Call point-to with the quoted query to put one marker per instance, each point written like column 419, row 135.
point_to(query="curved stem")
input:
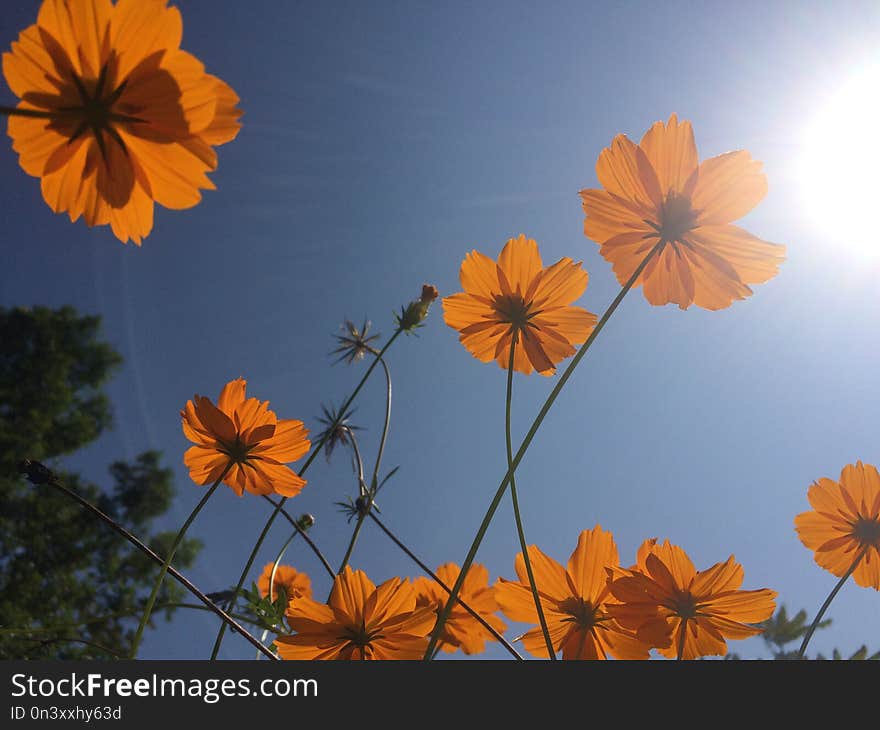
column 485, row 624
column 526, row 442
column 369, row 493
column 272, row 579
column 48, row 477
column 516, row 514
column 315, row 451
column 168, row 558
column 374, row 481
column 305, row 536
column 364, row 505
column 812, row 629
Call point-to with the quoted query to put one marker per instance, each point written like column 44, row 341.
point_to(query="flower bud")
column 414, row 313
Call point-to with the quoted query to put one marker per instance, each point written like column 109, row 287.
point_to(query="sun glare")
column 840, row 163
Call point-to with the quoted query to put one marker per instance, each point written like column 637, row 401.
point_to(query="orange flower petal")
column 672, row 152
column 754, row 261
column 624, row 171
column 667, row 279
column 587, row 565
column 727, row 187
column 479, row 275
column 521, row 263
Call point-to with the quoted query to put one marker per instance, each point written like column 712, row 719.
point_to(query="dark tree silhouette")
column 69, row 587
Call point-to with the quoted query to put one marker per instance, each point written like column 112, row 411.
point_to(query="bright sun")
column 840, row 164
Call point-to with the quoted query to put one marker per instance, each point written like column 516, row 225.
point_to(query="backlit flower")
column 575, row 602
column 288, row 579
column 518, row 298
column 244, row 431
column 461, row 629
column 656, row 192
column 845, row 521
column 113, row 115
column 665, row 600
column 360, row 621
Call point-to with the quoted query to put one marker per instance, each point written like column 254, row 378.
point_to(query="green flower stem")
column 682, row 636
column 364, row 504
column 536, row 424
column 305, row 536
column 168, row 558
column 146, row 550
column 272, row 578
column 812, row 629
column 516, row 513
column 110, row 616
column 11, row 111
column 374, row 481
column 486, row 625
column 70, row 639
column 369, row 494
column 315, row 451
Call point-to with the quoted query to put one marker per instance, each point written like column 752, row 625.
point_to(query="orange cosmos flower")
column 517, row 299
column 667, row 601
column 656, row 192
column 287, row 579
column 113, row 115
column 461, row 629
column 575, row 601
column 844, row 523
column 248, row 433
column 360, row 621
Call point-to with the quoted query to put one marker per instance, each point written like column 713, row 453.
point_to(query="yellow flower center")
column 676, row 217
column 867, row 531
column 514, row 310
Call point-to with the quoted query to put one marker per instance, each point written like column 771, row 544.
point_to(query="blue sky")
column 383, row 141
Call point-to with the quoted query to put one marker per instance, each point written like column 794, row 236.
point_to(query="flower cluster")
column 594, row 608
column 114, row 117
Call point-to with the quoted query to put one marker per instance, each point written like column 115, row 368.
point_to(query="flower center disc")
column 512, row 309
column 676, row 217
column 685, row 606
column 867, row 532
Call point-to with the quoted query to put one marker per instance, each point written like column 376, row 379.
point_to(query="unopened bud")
column 305, row 521
column 414, row 313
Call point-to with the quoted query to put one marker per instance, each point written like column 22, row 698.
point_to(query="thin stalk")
column 682, row 636
column 516, row 513
column 374, row 481
column 110, row 616
column 39, row 474
column 63, row 114
column 526, row 442
column 315, row 451
column 849, row 572
column 485, row 624
column 69, row 639
column 305, row 536
column 168, row 558
column 364, row 503
column 272, row 579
